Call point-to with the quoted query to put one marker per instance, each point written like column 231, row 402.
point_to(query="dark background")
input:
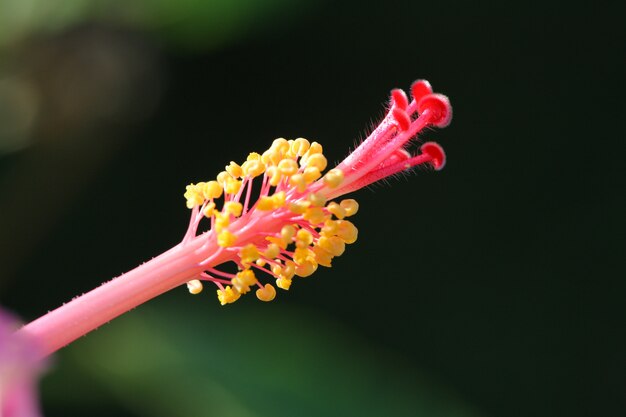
column 498, row 279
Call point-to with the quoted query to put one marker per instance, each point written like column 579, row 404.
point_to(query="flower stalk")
column 89, row 311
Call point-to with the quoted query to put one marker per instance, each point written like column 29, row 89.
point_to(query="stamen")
column 266, row 293
column 292, row 226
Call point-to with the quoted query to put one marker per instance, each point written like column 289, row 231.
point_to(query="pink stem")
column 80, row 316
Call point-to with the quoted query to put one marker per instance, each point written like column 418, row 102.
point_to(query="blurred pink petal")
column 20, row 368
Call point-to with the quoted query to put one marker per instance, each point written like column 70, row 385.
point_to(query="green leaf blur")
column 182, row 360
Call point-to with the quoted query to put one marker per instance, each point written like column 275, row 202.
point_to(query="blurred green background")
column 499, row 290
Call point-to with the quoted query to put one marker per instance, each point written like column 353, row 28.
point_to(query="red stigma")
column 436, row 154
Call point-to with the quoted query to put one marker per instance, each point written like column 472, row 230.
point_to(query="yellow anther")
column 283, row 283
column 307, row 268
column 222, row 220
column 194, row 286
column 226, row 239
column 221, row 178
column 322, row 256
column 193, row 195
column 267, row 293
column 333, row 178
column 311, row 174
column 233, row 207
column 232, row 186
column 315, row 215
column 315, row 148
column 287, row 233
column 317, row 199
column 253, row 156
column 276, row 269
column 302, row 255
column 209, row 209
column 253, row 167
column 273, row 202
column 278, row 241
column 297, row 180
column 248, row 276
column 211, row 190
column 290, row 155
column 329, row 228
column 249, row 254
column 272, row 251
column 289, row 269
column 303, row 238
column 336, row 209
column 234, row 169
column 260, row 262
column 288, row 167
column 228, row 295
column 265, row 203
column 347, row 231
column 276, row 152
column 272, row 156
column 318, row 161
column 266, row 157
column 281, row 145
column 299, row 207
column 239, row 286
column 333, row 245
column 243, row 280
column 274, row 175
column 350, row 206
column 300, row 146
column 279, row 199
